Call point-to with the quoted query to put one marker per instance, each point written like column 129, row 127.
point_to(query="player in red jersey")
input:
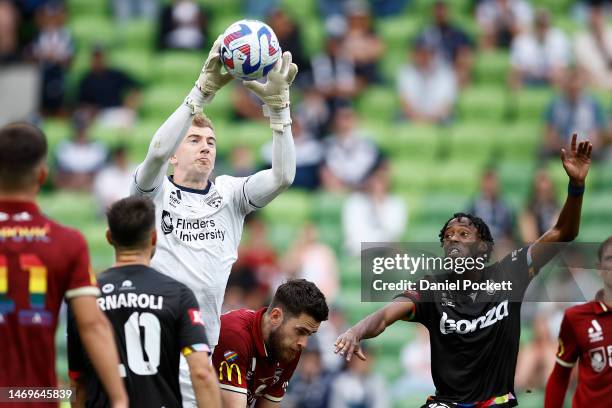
column 586, row 336
column 259, row 350
column 42, row 262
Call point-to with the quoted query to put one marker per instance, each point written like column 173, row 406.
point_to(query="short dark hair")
column 299, row 296
column 130, row 221
column 602, row 247
column 22, row 148
column 483, row 229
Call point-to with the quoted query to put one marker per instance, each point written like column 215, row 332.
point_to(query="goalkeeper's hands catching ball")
column 212, row 78
column 275, row 91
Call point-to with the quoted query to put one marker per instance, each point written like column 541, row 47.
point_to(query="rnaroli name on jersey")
column 130, row 300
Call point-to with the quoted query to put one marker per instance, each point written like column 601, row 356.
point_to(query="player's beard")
column 277, row 350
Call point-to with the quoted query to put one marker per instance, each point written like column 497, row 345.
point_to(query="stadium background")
column 435, row 170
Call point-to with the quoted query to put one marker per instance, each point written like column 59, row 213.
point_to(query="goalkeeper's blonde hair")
column 202, row 121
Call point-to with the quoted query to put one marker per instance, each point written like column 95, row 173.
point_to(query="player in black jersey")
column 155, row 318
column 475, row 334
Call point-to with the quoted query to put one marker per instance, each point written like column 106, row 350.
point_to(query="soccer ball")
column 249, row 49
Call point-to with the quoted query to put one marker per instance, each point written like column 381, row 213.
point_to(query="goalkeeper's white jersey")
column 198, row 233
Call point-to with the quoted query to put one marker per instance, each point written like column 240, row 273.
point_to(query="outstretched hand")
column 275, row 92
column 577, row 161
column 212, row 78
column 347, row 344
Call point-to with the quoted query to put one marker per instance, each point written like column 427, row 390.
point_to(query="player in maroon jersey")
column 259, row 350
column 42, row 262
column 586, row 337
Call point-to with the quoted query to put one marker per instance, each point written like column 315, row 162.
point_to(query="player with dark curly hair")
column 475, row 334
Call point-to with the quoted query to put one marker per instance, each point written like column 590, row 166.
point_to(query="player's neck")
column 196, row 183
column 266, row 327
column 124, row 258
column 20, row 196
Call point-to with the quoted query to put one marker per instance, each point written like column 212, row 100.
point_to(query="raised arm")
column 371, row 326
column 264, row 186
column 167, row 138
column 576, row 163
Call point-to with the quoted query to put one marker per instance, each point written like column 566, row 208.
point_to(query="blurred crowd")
column 335, row 153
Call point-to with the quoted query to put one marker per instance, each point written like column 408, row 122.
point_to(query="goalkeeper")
column 199, row 223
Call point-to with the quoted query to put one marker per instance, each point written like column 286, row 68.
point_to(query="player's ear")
column 153, row 237
column 482, row 247
column 109, row 238
column 43, row 172
column 173, row 160
column 276, row 316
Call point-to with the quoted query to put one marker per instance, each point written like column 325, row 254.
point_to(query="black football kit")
column 154, row 318
column 474, row 335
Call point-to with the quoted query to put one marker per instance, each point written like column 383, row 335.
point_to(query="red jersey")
column 586, row 335
column 242, row 362
column 40, row 263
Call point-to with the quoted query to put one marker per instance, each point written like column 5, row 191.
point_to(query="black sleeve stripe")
column 141, row 190
column 245, row 196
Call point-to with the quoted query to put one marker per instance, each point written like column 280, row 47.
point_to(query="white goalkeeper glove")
column 211, row 78
column 275, row 92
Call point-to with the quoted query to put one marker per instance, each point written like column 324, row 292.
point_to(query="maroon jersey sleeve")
column 277, row 391
column 81, row 280
column 231, row 358
column 567, row 352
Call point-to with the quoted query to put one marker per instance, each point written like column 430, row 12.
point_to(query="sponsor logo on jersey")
column 195, row 315
column 494, row 315
column 598, row 359
column 191, row 230
column 230, row 356
column 166, row 223
column 438, row 405
column 595, row 332
column 213, row 200
column 229, row 370
column 108, row 288
column 175, row 198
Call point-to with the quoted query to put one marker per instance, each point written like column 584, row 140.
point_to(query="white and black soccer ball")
column 249, row 49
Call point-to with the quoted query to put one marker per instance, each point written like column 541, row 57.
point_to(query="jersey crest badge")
column 598, row 359
column 214, row 200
